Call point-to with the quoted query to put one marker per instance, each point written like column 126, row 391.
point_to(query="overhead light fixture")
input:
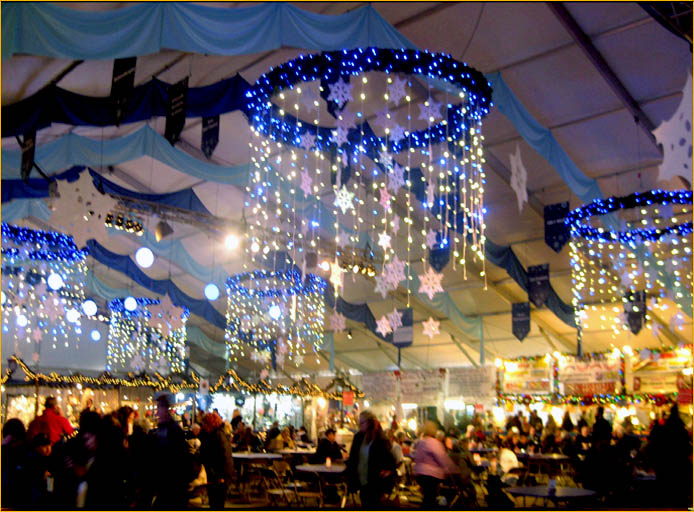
column 162, row 230
column 325, row 265
column 72, row 315
column 4, row 298
column 255, row 247
column 22, row 320
column 55, row 281
column 144, row 257
column 95, row 335
column 275, row 312
column 231, row 241
column 212, row 291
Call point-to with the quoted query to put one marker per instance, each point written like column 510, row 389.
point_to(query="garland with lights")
column 436, row 158
column 642, row 264
column 276, row 313
column 146, row 334
column 42, row 288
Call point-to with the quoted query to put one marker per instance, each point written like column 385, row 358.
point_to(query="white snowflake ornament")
column 338, row 322
column 395, row 319
column 340, row 93
column 344, row 199
column 519, row 178
column 431, row 328
column 347, row 120
column 306, row 183
column 383, row 326
column 397, row 133
column 385, row 199
column 396, row 178
column 396, row 90
column 308, row 140
column 431, row 239
column 430, row 283
column 384, row 240
column 676, row 137
column 430, row 110
column 340, row 136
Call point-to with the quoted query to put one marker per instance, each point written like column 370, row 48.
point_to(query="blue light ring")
column 635, row 200
column 308, row 68
column 312, row 284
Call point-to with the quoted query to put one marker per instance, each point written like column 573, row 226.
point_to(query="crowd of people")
column 118, row 460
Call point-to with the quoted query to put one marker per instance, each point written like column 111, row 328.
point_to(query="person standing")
column 53, row 423
column 431, row 465
column 214, row 452
column 371, row 465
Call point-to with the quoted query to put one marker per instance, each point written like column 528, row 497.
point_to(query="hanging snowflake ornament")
column 383, row 118
column 383, row 284
column 395, row 319
column 385, row 159
column 340, row 93
column 342, row 239
column 384, row 241
column 431, row 239
column 396, row 134
column 36, row 334
column 431, row 328
column 308, row 98
column 675, row 135
column 430, row 110
column 306, row 183
column 395, row 271
column 395, row 224
column 340, row 136
column 396, row 178
column 430, row 283
column 383, row 326
column 308, row 140
column 346, row 119
column 385, row 199
column 338, row 322
column 396, row 90
column 519, row 178
column 344, row 199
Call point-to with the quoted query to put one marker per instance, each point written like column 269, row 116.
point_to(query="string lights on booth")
column 42, row 288
column 338, row 167
column 619, row 272
column 147, row 334
column 274, row 315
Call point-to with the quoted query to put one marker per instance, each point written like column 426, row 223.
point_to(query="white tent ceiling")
column 547, row 71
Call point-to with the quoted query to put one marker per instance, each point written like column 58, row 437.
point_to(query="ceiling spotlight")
column 355, row 268
column 95, row 335
column 55, row 282
column 325, row 265
column 144, row 256
column 212, row 291
column 130, row 303
column 72, row 315
column 255, row 247
column 162, row 230
column 89, row 307
column 275, row 312
column 3, row 298
column 349, row 334
column 231, row 241
column 22, row 320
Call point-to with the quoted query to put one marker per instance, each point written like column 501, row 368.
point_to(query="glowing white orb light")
column 275, row 312
column 95, row 335
column 22, row 320
column 144, row 257
column 211, row 291
column 130, row 303
column 72, row 315
column 89, row 307
column 231, row 242
column 55, row 282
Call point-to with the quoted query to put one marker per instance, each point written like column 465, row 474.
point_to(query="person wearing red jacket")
column 52, row 423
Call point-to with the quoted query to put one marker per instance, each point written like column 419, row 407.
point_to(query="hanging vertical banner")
column 403, row 335
column 579, row 340
column 348, row 398
column 176, row 110
column 556, row 231
column 538, row 284
column 520, row 315
column 635, row 309
column 28, row 150
column 204, row 388
column 122, row 84
column 439, row 258
column 210, row 135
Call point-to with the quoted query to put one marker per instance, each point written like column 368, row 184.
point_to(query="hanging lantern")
column 274, row 314
column 641, row 261
column 351, row 147
column 150, row 337
column 43, row 276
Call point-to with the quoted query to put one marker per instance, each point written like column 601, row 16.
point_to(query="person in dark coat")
column 214, row 454
column 566, row 423
column 328, row 447
column 602, row 430
column 14, row 458
column 371, row 465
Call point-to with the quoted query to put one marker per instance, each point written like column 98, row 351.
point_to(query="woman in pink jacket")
column 431, row 465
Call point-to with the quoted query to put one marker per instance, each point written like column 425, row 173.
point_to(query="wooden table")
column 252, row 456
column 543, row 491
column 297, row 451
column 322, row 468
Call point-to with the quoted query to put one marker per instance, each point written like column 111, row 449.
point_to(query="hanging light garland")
column 274, row 314
column 379, row 135
column 645, row 261
column 42, row 288
column 146, row 335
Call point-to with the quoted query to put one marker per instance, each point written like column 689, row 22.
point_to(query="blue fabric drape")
column 125, row 265
column 38, row 188
column 21, row 209
column 142, row 29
